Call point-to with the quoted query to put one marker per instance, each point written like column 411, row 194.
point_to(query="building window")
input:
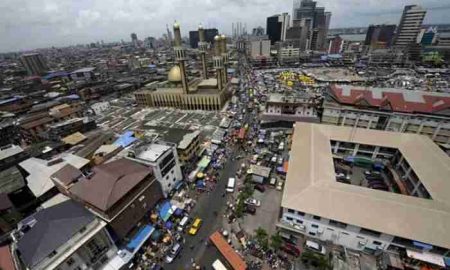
column 316, row 217
column 370, row 232
column 82, row 230
column 315, row 226
column 289, row 218
column 291, row 211
column 312, row 233
column 377, row 243
column 338, row 224
column 300, row 213
column 299, row 221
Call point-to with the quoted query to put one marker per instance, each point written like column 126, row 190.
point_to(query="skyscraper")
column 409, row 26
column 380, row 36
column 209, row 36
column 34, row 63
column 134, row 39
column 277, row 26
column 314, row 22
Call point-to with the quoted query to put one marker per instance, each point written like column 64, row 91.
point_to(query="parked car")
column 342, row 176
column 316, row 247
column 260, row 187
column 370, row 173
column 274, row 159
column 174, row 251
column 195, row 226
column 251, row 209
column 290, row 249
column 252, row 201
column 273, row 181
column 280, row 161
column 280, row 185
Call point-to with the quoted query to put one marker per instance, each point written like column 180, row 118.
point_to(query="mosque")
column 196, row 94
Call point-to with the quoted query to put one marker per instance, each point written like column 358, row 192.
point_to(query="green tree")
column 261, row 237
column 276, row 241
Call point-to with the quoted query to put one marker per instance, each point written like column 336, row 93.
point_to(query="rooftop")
column 54, row 226
column 151, row 152
column 85, row 69
column 311, row 184
column 9, row 151
column 392, row 99
column 110, row 182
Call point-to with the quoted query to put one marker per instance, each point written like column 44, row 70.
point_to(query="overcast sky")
column 29, row 24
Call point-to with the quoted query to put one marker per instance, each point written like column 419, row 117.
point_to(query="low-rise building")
column 400, row 110
column 316, row 205
column 291, row 108
column 65, row 237
column 163, row 160
column 120, row 192
column 100, row 107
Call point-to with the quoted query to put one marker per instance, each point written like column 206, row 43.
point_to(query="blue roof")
column 12, row 99
column 137, row 241
column 125, row 139
column 55, row 75
column 165, row 210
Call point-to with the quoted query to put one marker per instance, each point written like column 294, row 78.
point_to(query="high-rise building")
column 427, row 37
column 380, row 36
column 409, row 26
column 315, row 23
column 335, row 45
column 34, row 63
column 277, row 26
column 258, row 31
column 134, row 39
column 209, row 36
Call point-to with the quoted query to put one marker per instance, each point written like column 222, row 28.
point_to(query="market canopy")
column 204, row 162
column 138, row 240
column 165, row 211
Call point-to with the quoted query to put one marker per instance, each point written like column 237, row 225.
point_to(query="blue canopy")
column 125, row 139
column 200, row 184
column 139, row 239
column 422, row 245
column 178, row 212
column 168, row 225
column 165, row 210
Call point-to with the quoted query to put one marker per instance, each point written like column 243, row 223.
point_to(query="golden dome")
column 174, row 74
column 222, row 36
column 216, row 38
column 200, row 26
column 176, row 25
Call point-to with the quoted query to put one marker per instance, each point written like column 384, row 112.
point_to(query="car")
column 370, row 173
column 274, row 159
column 260, row 188
column 290, row 249
column 195, row 226
column 252, row 201
column 280, row 161
column 174, row 251
column 316, row 247
column 273, row 181
column 279, row 185
column 342, row 176
column 251, row 209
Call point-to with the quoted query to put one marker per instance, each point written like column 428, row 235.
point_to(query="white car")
column 316, row 247
column 279, row 185
column 252, row 201
column 173, row 253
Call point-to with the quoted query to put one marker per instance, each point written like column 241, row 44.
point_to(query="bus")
column 218, row 265
column 231, row 184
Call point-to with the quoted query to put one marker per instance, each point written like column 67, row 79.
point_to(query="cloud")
column 27, row 24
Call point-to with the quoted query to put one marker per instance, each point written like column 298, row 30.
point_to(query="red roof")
column 236, row 262
column 392, row 100
column 241, row 134
column 6, row 260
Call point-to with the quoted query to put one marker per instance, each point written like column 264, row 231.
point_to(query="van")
column 231, row 184
column 183, row 223
column 316, row 247
column 173, row 253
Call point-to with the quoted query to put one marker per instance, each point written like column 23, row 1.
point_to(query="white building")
column 83, row 74
column 259, row 48
column 100, row 107
column 288, row 53
column 315, row 204
column 300, row 107
column 163, row 158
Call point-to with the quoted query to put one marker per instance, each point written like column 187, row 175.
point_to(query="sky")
column 30, row 24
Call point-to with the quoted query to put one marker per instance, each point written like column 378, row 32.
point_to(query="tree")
column 276, row 241
column 262, row 238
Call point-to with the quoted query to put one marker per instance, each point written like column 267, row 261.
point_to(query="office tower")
column 277, row 26
column 34, row 63
column 134, row 39
column 336, row 44
column 315, row 23
column 380, row 36
column 409, row 26
column 427, row 37
column 169, row 35
column 224, row 53
column 258, row 31
column 209, row 37
column 180, row 56
column 202, row 46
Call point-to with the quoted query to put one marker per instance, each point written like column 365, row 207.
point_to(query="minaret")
column 180, row 56
column 223, row 52
column 202, row 47
column 218, row 62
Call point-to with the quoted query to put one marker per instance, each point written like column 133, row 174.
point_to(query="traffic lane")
column 207, row 205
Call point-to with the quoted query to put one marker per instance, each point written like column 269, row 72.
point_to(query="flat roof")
column 152, row 152
column 311, row 186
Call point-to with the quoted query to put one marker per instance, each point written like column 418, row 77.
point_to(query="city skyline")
column 63, row 23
